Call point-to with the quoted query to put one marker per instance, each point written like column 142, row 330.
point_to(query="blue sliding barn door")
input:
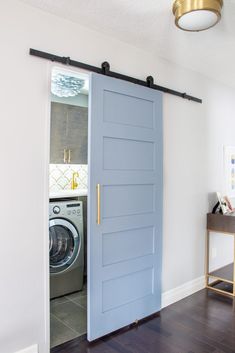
column 124, row 204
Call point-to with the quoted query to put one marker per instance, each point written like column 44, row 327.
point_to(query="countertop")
column 68, row 193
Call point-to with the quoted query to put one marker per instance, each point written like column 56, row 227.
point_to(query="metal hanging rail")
column 105, row 70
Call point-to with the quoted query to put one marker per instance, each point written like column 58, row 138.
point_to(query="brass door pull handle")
column 65, row 155
column 98, row 203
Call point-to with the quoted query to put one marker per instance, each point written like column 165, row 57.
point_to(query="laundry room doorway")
column 68, row 188
column 105, row 210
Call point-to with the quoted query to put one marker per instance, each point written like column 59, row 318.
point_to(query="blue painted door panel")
column 125, row 158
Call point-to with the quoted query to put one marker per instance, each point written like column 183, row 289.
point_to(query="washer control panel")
column 67, row 208
column 73, row 212
column 73, row 209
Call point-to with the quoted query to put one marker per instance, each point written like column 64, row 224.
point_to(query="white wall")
column 193, row 139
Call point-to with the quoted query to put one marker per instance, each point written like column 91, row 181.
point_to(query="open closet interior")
column 68, row 184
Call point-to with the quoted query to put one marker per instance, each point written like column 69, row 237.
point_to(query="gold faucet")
column 74, row 180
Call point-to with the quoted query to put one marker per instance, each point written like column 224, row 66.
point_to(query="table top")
column 221, row 223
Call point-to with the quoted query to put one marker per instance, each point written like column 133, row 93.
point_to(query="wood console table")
column 224, row 224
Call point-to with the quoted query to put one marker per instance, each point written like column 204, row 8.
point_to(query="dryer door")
column 64, row 245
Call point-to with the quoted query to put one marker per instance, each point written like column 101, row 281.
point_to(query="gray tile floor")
column 68, row 317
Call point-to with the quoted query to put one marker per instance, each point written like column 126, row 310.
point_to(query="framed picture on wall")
column 229, row 170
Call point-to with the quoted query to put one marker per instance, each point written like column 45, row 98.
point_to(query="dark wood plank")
column 221, row 223
column 201, row 323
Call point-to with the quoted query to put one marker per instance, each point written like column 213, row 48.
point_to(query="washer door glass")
column 63, row 244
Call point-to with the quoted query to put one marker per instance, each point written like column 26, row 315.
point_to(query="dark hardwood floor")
column 201, row 323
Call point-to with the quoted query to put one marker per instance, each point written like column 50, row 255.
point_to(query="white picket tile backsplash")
column 61, row 176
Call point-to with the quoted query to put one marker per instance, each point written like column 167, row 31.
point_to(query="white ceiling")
column 149, row 25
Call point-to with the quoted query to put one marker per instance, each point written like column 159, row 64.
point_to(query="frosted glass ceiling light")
column 66, row 86
column 197, row 15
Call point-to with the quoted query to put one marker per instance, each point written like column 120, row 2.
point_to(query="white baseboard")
column 183, row 291
column 31, row 349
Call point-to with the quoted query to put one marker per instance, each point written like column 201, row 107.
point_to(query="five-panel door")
column 124, row 204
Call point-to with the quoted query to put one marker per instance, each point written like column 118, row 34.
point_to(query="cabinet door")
column 77, row 134
column 59, row 126
column 69, row 125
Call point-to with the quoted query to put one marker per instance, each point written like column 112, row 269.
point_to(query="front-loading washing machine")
column 66, row 247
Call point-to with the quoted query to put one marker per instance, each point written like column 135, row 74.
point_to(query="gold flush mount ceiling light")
column 197, row 15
